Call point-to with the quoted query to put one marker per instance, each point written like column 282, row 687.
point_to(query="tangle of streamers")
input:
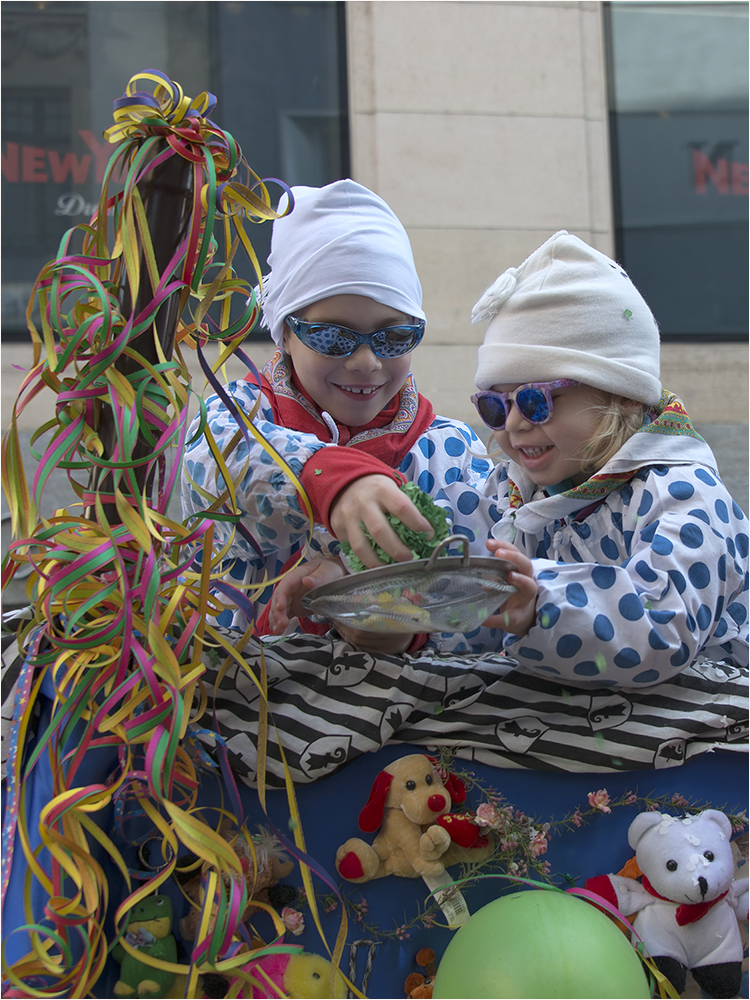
column 117, row 598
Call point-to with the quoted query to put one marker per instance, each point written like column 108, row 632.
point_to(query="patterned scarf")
column 668, row 417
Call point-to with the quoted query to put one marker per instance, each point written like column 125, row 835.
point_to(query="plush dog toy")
column 410, row 802
column 687, row 905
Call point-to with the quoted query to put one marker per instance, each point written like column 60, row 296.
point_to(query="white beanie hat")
column 341, row 239
column 569, row 312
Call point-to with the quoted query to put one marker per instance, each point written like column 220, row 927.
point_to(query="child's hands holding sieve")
column 365, row 504
column 286, row 605
column 519, row 611
column 289, row 591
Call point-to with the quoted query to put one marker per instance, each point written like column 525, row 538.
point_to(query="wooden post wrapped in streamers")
column 165, row 191
column 117, row 619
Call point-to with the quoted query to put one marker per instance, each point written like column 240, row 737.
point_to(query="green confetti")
column 318, row 472
column 421, row 546
column 437, row 710
column 628, row 314
column 601, row 662
column 293, row 823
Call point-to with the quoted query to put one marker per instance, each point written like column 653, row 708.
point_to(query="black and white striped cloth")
column 330, row 702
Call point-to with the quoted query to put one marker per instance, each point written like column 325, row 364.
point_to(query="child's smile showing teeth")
column 364, row 391
column 534, row 457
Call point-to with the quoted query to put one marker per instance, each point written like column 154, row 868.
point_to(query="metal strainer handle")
column 450, row 540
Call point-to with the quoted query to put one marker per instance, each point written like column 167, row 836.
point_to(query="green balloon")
column 540, row 943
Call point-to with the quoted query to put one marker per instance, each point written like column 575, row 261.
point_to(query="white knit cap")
column 569, row 312
column 341, row 239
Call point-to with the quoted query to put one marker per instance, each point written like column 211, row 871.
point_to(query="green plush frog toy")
column 149, row 930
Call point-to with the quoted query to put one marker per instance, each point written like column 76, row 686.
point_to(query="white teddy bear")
column 687, row 905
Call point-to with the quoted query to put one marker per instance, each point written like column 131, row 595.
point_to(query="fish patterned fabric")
column 331, row 702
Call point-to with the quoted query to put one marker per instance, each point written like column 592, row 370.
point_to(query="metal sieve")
column 440, row 594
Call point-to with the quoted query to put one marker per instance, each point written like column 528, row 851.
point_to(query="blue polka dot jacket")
column 636, row 586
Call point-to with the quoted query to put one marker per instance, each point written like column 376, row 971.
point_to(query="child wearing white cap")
column 337, row 401
column 631, row 555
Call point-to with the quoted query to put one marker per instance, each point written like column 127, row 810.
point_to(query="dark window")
column 278, row 71
column 678, row 75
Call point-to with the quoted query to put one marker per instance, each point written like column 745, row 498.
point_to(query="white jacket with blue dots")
column 651, row 579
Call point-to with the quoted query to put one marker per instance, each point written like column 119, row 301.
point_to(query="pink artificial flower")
column 538, row 843
column 487, row 815
column 293, row 920
column 598, row 800
column 577, row 818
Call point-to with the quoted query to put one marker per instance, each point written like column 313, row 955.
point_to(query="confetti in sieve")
column 439, row 594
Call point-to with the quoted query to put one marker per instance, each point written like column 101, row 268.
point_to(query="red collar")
column 686, row 913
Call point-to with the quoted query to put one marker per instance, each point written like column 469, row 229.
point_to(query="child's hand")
column 518, row 613
column 286, row 602
column 365, row 502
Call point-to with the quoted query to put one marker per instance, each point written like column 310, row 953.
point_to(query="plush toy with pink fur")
column 687, row 905
column 301, row 975
column 411, row 801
